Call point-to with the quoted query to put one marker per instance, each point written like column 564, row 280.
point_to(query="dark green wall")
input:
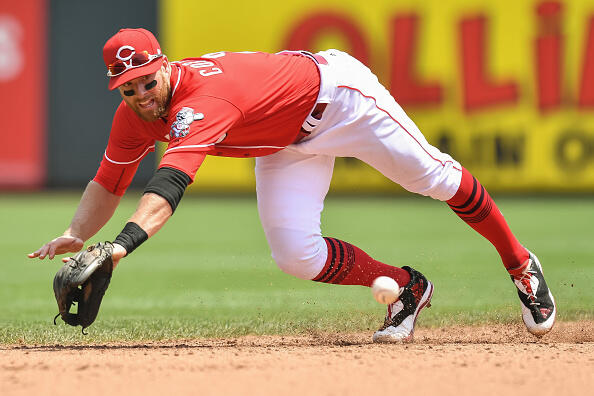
column 80, row 108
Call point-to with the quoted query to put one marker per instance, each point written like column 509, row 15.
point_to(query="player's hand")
column 60, row 245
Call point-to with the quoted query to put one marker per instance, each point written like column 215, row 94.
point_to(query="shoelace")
column 524, row 278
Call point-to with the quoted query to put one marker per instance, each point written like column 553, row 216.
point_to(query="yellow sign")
column 506, row 87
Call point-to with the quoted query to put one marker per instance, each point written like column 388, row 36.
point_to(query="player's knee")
column 297, row 253
column 441, row 184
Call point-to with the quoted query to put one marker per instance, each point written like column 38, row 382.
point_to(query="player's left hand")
column 57, row 246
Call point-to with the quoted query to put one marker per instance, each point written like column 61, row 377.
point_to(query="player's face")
column 148, row 95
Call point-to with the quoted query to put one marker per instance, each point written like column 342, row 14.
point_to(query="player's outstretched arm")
column 160, row 199
column 96, row 207
column 151, row 215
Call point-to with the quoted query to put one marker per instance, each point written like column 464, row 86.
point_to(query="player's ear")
column 166, row 66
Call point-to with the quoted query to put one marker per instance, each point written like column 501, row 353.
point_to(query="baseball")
column 385, row 290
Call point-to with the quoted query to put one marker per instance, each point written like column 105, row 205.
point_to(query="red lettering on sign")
column 549, row 55
column 586, row 96
column 405, row 84
column 479, row 89
column 305, row 34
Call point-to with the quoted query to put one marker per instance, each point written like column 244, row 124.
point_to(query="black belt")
column 315, row 57
column 318, row 58
column 317, row 113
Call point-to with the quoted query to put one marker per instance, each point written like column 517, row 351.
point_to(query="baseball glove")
column 84, row 280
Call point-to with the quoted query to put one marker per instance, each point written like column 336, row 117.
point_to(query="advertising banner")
column 506, row 87
column 22, row 93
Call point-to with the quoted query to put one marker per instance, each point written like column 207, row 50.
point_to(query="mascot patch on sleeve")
column 181, row 126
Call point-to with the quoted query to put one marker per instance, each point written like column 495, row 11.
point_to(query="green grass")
column 208, row 273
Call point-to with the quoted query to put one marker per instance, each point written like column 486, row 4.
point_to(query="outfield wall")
column 506, row 87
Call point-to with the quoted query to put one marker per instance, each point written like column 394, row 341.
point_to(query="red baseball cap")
column 125, row 44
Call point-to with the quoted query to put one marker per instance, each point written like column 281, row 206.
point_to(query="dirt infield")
column 487, row 360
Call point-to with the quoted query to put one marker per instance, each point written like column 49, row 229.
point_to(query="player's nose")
column 140, row 90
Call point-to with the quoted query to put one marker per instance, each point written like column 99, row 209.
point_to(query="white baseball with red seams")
column 385, row 290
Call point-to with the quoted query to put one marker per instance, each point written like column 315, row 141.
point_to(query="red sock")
column 473, row 204
column 348, row 265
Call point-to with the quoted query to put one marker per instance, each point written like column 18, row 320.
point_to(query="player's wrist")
column 68, row 234
column 73, row 234
column 119, row 251
column 130, row 238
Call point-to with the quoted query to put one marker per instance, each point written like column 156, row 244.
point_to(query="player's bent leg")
column 297, row 252
column 291, row 187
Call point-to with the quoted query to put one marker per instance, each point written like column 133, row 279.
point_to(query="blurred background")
column 506, row 87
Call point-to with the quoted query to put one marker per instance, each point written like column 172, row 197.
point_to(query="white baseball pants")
column 361, row 120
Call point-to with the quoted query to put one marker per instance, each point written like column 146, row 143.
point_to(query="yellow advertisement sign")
column 506, row 87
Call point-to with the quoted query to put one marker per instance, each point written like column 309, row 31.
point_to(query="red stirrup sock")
column 348, row 265
column 473, row 204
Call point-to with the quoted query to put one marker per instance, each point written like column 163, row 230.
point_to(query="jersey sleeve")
column 125, row 149
column 195, row 129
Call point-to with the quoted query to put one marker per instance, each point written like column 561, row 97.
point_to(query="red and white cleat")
column 538, row 304
column 399, row 325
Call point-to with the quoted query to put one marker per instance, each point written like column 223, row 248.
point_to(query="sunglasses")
column 136, row 60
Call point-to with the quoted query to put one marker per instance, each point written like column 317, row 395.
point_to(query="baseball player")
column 295, row 111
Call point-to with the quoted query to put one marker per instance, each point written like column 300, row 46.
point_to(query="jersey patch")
column 183, row 119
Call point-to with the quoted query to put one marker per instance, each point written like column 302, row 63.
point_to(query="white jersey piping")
column 178, row 79
column 129, row 162
column 222, row 147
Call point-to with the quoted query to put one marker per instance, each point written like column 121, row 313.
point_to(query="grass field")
column 208, row 273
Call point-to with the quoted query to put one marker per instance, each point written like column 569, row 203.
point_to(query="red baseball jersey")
column 232, row 104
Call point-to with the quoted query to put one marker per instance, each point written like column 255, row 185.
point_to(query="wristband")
column 131, row 237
